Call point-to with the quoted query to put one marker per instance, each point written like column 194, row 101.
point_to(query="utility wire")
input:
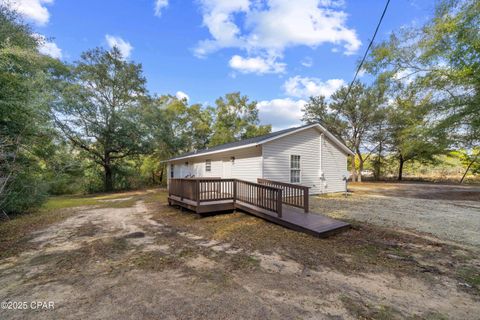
column 366, row 52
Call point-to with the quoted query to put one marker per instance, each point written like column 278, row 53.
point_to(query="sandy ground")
column 150, row 261
column 449, row 212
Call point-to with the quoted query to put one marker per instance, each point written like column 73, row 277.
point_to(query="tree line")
column 92, row 125
column 424, row 100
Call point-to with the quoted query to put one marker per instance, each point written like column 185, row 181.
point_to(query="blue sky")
column 278, row 52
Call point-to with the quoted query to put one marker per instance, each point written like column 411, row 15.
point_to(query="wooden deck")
column 264, row 201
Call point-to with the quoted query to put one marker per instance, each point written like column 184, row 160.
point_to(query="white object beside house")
column 308, row 155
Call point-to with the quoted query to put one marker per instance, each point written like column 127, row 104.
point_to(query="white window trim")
column 208, row 161
column 299, row 170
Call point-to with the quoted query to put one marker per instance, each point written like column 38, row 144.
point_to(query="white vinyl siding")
column 247, row 164
column 276, row 158
column 322, row 164
column 334, row 167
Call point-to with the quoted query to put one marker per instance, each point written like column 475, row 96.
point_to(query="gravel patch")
column 451, row 220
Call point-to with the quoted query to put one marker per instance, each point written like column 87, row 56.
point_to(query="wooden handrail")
column 293, row 194
column 262, row 196
column 203, row 190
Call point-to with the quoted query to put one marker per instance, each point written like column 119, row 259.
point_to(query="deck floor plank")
column 294, row 218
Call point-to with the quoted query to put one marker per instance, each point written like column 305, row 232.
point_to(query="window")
column 171, row 170
column 208, row 165
column 295, row 168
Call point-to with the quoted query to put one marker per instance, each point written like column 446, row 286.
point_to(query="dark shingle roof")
column 240, row 143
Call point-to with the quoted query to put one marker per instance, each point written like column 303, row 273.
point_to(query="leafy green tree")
column 411, row 137
column 470, row 160
column 443, row 58
column 100, row 111
column 28, row 82
column 175, row 127
column 351, row 119
column 236, row 118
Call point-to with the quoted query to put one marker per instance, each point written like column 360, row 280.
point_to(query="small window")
column 208, row 165
column 171, row 171
column 295, row 168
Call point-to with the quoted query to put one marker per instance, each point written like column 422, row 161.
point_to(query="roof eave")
column 317, row 125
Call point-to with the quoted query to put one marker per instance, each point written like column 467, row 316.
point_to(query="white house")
column 308, row 155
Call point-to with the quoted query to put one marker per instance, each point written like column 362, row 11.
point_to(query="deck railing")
column 265, row 197
column 215, row 189
column 293, row 194
column 204, row 190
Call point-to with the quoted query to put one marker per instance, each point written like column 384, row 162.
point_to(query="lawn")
column 131, row 255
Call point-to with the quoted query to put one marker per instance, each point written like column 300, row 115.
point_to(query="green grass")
column 63, row 202
column 471, row 276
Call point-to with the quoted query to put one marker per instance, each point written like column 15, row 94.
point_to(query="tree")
column 28, row 81
column 443, row 58
column 236, row 118
column 411, row 137
column 351, row 119
column 470, row 160
column 100, row 112
column 175, row 127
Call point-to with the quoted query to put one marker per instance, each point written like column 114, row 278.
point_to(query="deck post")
column 305, row 200
column 181, row 189
column 234, row 192
column 197, row 192
column 279, row 202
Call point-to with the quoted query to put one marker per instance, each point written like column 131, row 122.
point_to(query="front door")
column 227, row 168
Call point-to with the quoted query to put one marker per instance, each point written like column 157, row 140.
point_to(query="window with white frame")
column 295, row 168
column 208, row 165
column 171, row 171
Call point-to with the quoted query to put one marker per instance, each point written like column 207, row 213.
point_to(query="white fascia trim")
column 334, row 139
column 322, row 129
column 215, row 151
column 315, row 125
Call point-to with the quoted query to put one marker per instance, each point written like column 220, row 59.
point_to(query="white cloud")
column 304, row 87
column 48, row 48
column 281, row 113
column 159, row 5
column 257, row 65
column 33, row 10
column 182, row 95
column 271, row 26
column 122, row 45
column 307, row 62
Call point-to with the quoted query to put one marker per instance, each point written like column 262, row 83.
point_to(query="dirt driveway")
column 137, row 258
column 448, row 212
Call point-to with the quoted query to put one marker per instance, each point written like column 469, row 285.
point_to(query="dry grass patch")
column 364, row 248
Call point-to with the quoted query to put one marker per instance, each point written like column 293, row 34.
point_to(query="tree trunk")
column 468, row 168
column 354, row 172
column 161, row 175
column 378, row 163
column 360, row 169
column 108, row 179
column 400, row 168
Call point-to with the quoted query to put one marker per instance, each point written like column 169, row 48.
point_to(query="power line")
column 366, row 52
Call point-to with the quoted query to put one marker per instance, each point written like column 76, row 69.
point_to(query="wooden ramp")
column 280, row 203
column 315, row 224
